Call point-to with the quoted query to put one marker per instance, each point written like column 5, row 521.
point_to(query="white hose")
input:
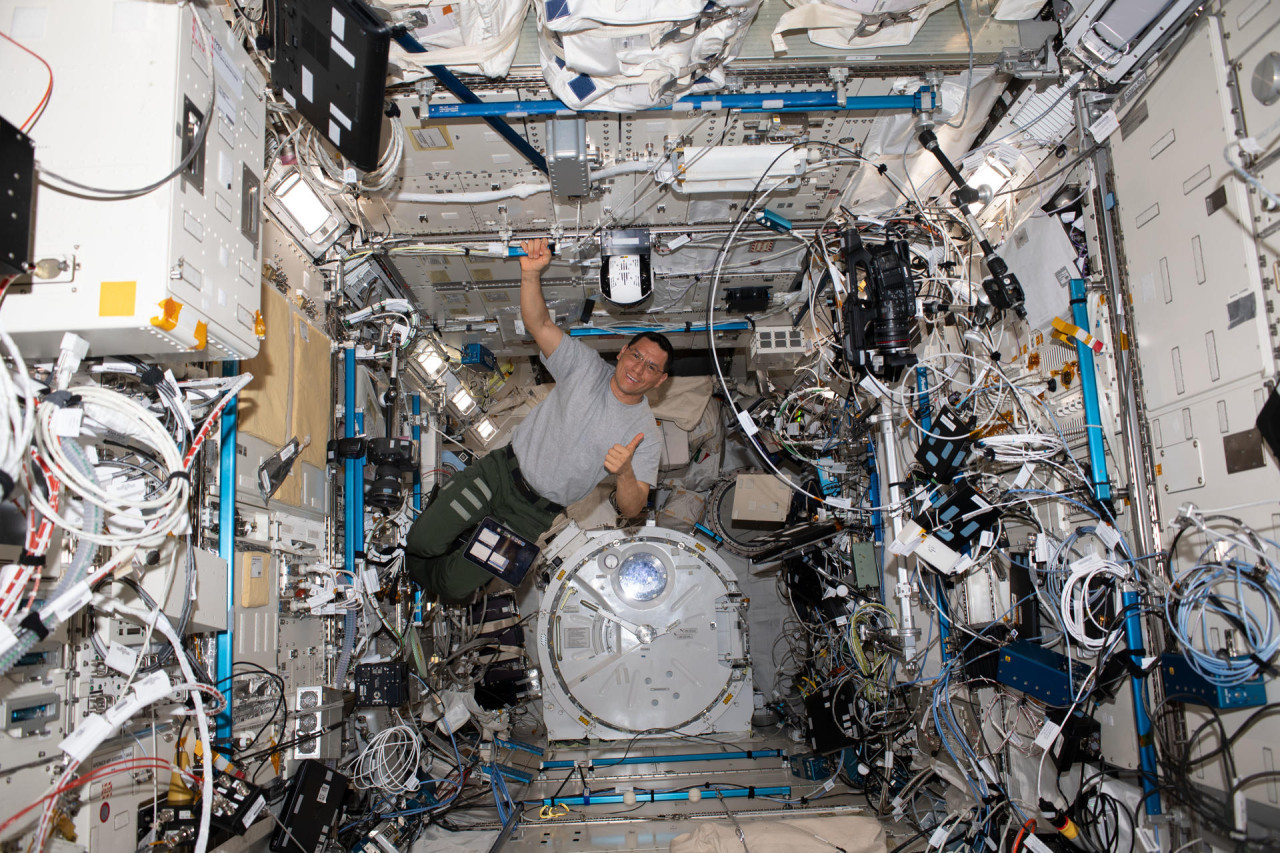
column 627, row 167
column 517, row 191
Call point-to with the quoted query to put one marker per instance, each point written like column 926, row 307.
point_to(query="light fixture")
column 302, row 203
column 429, row 359
column 485, row 430
column 989, row 172
column 314, row 220
column 462, row 400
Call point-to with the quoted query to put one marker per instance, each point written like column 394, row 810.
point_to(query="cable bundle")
column 18, row 421
column 1089, row 586
column 1028, row 447
column 134, row 519
column 1236, row 596
column 1232, row 595
column 389, row 762
column 333, row 177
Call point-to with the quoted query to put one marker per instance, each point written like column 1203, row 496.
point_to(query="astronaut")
column 595, row 422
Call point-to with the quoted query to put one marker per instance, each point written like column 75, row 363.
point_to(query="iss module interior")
column 662, row 425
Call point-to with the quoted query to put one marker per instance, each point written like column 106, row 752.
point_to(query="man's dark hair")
column 663, row 344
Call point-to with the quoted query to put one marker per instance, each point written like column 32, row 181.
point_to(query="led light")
column 485, row 430
column 990, row 173
column 429, row 361
column 432, row 363
column 462, row 400
column 302, row 203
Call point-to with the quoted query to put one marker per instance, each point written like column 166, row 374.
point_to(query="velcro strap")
column 33, row 623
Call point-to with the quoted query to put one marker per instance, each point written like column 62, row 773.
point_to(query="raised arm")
column 533, row 305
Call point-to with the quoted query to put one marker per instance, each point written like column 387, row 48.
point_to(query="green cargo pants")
column 435, row 559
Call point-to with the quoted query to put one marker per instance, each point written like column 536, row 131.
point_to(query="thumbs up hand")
column 618, row 459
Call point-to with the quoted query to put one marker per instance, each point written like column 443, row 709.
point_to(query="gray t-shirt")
column 561, row 445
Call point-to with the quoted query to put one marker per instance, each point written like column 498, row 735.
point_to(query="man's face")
column 642, row 366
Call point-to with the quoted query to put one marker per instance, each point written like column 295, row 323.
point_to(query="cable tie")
column 688, row 326
column 152, row 376
column 177, row 475
column 881, row 168
column 63, row 399
column 29, row 559
column 751, row 792
column 33, row 623
column 1263, row 665
column 6, row 485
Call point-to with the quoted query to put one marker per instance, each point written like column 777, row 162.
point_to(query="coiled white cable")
column 132, row 520
column 1024, row 447
column 1078, row 602
column 390, row 761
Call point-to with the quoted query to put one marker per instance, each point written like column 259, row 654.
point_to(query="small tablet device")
column 501, row 551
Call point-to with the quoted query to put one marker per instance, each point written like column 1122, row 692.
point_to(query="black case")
column 311, row 808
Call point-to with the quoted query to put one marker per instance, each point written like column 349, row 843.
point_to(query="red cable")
column 48, row 89
column 105, row 770
column 1017, row 842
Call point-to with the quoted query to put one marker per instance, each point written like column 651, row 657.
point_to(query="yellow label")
column 561, row 575
column 117, row 298
column 700, row 546
column 586, row 724
column 728, row 699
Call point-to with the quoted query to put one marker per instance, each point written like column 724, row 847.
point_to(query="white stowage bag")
column 632, row 56
column 853, row 24
column 1017, row 10
column 465, row 36
column 567, row 16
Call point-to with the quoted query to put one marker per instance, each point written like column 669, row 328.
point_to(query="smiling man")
column 596, row 422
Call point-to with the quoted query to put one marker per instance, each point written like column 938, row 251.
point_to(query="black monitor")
column 331, row 63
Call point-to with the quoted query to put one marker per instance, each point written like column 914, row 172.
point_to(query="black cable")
column 279, row 710
column 904, row 845
column 1071, row 164
column 576, row 769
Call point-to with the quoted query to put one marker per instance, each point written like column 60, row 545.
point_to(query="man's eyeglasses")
column 649, row 367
